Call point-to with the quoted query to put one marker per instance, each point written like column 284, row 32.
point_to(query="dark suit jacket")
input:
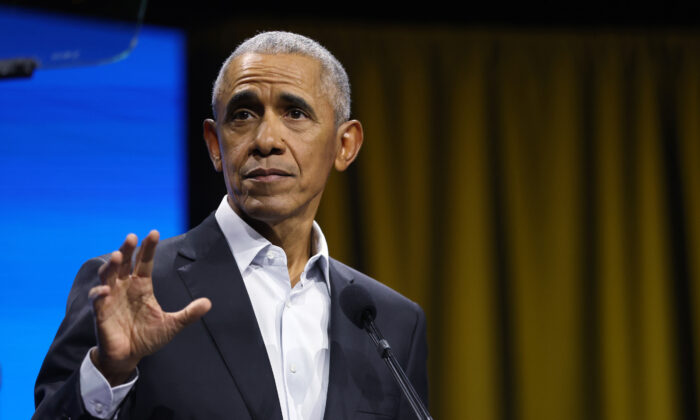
column 218, row 368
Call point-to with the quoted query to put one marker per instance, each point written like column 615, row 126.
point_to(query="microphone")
column 359, row 307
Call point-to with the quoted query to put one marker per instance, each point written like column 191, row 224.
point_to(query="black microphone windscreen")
column 357, row 304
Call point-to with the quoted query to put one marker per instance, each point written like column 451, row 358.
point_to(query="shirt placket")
column 289, row 342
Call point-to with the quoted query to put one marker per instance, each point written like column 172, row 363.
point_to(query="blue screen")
column 87, row 155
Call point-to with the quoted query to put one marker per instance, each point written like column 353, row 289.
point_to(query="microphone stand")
column 385, row 352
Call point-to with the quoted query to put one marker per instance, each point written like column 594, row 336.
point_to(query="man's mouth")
column 266, row 175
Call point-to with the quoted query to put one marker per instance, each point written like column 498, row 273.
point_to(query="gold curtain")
column 538, row 193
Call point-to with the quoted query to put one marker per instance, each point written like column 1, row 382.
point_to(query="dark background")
column 196, row 14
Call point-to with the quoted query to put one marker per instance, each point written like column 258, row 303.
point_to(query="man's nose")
column 268, row 139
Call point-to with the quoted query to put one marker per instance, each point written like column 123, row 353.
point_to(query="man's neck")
column 293, row 235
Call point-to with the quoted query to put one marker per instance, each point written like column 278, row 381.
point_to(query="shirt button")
column 288, row 304
column 270, row 255
column 98, row 408
column 293, row 368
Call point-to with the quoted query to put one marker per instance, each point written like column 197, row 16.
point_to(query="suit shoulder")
column 383, row 294
column 171, row 244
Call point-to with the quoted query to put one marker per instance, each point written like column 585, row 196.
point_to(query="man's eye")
column 242, row 115
column 297, row 114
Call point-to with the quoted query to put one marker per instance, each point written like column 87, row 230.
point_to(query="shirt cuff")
column 99, row 398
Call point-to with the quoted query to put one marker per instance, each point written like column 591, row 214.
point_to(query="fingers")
column 192, row 312
column 144, row 259
column 127, row 250
column 109, row 270
column 98, row 292
column 96, row 296
column 119, row 264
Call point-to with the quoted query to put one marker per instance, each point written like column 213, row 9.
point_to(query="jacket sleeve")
column 57, row 388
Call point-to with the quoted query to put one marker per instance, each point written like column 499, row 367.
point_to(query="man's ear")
column 351, row 136
column 211, row 137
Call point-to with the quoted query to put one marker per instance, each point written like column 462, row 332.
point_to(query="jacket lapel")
column 349, row 349
column 209, row 270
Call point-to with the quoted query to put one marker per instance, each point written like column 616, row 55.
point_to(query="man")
column 261, row 335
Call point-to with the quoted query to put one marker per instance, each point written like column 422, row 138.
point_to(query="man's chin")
column 268, row 210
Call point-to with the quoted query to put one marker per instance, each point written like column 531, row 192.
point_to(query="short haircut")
column 333, row 76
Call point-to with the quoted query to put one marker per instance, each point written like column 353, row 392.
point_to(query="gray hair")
column 334, row 78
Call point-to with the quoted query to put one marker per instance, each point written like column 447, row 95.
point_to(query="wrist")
column 116, row 372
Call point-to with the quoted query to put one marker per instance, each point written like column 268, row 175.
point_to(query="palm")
column 130, row 322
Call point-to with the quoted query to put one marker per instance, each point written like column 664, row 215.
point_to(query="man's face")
column 275, row 134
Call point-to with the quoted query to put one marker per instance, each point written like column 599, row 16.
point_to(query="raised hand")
column 129, row 321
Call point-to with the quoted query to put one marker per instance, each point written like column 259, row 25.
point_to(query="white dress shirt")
column 293, row 323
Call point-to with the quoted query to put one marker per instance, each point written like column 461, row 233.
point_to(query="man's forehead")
column 298, row 73
column 294, row 69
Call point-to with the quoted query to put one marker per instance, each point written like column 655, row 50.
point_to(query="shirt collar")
column 246, row 243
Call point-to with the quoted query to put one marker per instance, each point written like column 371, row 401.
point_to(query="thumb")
column 192, row 312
